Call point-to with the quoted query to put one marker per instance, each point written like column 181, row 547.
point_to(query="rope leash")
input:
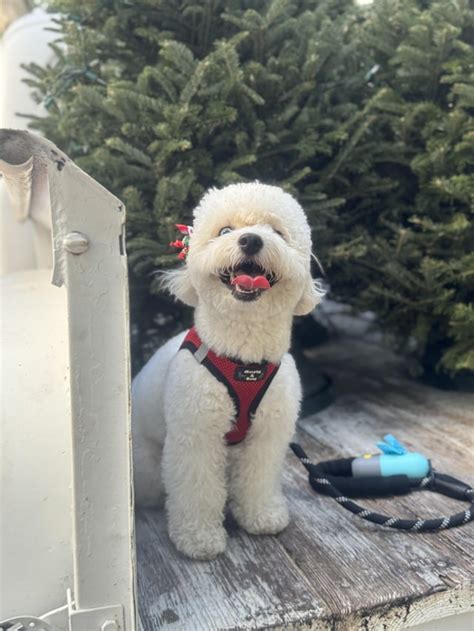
column 324, row 476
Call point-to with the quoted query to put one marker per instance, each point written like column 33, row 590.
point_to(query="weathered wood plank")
column 254, row 585
column 329, row 569
column 433, row 422
column 348, row 565
column 358, row 567
column 436, row 423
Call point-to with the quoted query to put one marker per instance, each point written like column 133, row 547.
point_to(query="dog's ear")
column 178, row 283
column 311, row 296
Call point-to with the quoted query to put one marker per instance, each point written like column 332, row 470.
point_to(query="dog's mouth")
column 248, row 280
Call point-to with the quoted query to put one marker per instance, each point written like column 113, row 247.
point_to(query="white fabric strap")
column 201, row 353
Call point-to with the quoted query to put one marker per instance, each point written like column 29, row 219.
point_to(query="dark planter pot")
column 317, row 386
column 463, row 381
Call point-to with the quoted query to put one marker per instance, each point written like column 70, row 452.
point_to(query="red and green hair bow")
column 183, row 243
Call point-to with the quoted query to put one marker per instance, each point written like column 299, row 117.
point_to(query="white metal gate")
column 90, row 260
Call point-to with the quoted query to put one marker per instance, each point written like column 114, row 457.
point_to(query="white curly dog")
column 212, row 420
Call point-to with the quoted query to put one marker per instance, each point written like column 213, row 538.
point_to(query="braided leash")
column 434, row 482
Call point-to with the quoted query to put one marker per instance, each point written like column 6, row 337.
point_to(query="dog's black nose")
column 250, row 243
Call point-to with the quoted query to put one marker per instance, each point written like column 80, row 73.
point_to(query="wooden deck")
column 330, row 570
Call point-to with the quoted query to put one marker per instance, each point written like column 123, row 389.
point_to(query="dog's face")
column 249, row 251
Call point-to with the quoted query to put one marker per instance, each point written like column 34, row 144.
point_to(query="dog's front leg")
column 198, row 414
column 257, row 500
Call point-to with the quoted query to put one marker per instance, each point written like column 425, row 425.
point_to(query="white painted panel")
column 35, row 452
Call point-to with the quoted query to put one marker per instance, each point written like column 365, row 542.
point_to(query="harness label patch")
column 250, row 373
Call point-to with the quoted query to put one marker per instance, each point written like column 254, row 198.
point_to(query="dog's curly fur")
column 181, row 413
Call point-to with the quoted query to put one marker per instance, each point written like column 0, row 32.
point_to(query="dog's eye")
column 279, row 233
column 225, row 230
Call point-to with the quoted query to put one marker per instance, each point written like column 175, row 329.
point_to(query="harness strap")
column 245, row 383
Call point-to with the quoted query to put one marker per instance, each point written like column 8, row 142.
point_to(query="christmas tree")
column 403, row 244
column 365, row 113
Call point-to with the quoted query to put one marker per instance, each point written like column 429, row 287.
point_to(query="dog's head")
column 250, row 249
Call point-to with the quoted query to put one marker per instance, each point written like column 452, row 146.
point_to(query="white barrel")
column 25, row 239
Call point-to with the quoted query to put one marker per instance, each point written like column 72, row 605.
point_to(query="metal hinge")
column 97, row 619
column 24, row 623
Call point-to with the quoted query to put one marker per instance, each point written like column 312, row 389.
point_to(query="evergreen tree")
column 365, row 113
column 403, row 244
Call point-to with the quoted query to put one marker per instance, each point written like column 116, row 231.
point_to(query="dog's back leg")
column 148, row 424
column 148, row 484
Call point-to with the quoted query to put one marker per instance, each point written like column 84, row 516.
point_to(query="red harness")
column 246, row 383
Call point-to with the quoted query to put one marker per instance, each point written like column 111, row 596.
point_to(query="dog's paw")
column 269, row 519
column 202, row 544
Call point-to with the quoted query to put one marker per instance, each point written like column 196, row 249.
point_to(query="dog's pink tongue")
column 251, row 282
